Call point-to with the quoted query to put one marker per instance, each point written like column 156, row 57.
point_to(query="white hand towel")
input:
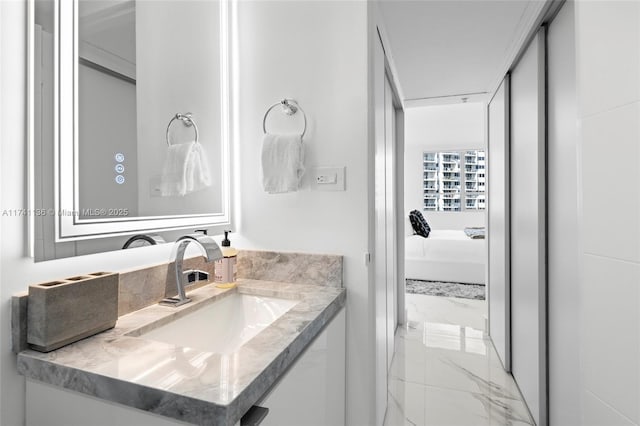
column 185, row 170
column 282, row 163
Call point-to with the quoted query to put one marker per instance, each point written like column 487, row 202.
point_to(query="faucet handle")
column 194, row 275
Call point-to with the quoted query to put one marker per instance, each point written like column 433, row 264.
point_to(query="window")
column 453, row 180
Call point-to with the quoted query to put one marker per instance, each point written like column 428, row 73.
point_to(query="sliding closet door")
column 498, row 224
column 528, row 228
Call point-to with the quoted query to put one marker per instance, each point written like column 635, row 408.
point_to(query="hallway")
column 445, row 372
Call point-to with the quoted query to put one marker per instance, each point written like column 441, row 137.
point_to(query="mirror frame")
column 68, row 225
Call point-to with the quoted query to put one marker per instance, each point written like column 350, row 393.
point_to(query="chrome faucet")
column 211, row 251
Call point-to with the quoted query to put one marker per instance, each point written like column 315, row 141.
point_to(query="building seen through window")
column 454, row 180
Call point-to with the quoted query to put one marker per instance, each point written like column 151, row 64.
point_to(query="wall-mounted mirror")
column 130, row 118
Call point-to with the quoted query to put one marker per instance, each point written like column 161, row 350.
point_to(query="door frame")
column 504, row 353
column 384, row 79
column 398, row 106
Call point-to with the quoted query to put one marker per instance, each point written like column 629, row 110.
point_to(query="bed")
column 446, row 255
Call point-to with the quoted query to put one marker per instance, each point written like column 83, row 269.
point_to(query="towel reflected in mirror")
column 185, row 170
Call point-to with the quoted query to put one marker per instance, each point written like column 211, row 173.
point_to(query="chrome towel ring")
column 289, row 107
column 187, row 120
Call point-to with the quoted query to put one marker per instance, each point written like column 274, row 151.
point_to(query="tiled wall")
column 608, row 71
column 315, row 269
column 147, row 286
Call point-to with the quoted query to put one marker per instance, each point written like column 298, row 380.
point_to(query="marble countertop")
column 183, row 383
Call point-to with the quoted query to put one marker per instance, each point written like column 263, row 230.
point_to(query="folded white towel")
column 185, row 170
column 282, row 163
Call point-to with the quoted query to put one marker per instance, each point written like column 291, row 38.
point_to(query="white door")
column 498, row 224
column 528, row 229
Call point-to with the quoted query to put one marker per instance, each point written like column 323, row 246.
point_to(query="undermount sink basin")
column 224, row 325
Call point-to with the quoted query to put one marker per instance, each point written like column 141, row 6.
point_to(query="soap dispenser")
column 226, row 268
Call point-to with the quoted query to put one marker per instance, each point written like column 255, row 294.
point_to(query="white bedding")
column 446, row 255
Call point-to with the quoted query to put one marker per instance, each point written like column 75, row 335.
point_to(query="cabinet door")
column 312, row 391
column 55, row 406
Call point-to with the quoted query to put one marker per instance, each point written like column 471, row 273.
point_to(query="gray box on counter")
column 65, row 311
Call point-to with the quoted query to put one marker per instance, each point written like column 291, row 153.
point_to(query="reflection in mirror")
column 108, row 127
column 139, row 121
column 143, row 240
column 132, row 80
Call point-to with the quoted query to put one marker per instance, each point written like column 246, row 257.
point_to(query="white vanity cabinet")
column 311, row 392
column 49, row 405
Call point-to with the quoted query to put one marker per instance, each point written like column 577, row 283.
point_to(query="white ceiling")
column 452, row 48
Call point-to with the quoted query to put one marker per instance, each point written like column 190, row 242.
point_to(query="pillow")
column 419, row 223
column 408, row 228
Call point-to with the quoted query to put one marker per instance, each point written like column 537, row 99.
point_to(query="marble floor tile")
column 446, row 372
column 469, row 372
column 477, row 369
column 395, row 414
column 410, row 361
column 446, row 310
column 444, row 336
column 423, row 405
column 409, row 398
column 449, row 407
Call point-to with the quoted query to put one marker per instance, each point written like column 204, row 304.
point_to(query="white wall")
column 432, row 128
column 18, row 270
column 608, row 75
column 316, row 53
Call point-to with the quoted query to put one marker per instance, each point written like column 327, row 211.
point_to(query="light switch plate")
column 328, row 178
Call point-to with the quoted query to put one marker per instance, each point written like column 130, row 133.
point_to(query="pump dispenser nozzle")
column 226, row 242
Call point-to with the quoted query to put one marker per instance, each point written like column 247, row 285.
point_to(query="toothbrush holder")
column 65, row 311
